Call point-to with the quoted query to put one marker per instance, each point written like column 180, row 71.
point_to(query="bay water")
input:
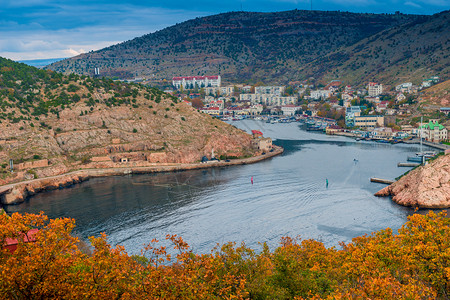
column 289, row 196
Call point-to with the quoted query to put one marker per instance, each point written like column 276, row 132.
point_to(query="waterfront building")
column 190, row 82
column 374, row 89
column 382, row 132
column 290, row 110
column 261, row 143
column 369, row 122
column 433, row 132
column 256, row 109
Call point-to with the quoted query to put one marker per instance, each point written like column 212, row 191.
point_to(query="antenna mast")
column 311, row 4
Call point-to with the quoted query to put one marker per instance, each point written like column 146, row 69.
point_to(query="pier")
column 379, row 180
column 408, row 164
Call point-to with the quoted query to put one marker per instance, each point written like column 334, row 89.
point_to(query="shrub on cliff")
column 414, row 264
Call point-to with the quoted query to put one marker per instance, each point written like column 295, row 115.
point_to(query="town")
column 374, row 111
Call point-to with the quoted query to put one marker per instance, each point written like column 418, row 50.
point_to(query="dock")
column 408, row 164
column 379, row 180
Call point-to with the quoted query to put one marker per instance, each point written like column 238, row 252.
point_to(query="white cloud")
column 95, row 29
column 410, row 3
column 355, row 2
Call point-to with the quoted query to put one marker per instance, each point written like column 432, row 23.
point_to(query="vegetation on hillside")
column 408, row 52
column 27, row 93
column 413, row 264
column 240, row 46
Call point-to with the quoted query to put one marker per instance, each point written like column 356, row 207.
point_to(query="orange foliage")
column 413, row 264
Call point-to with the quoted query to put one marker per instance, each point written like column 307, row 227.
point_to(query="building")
column 268, row 99
column 433, row 132
column 190, row 82
column 212, row 111
column 445, row 110
column 333, row 129
column 369, row 122
column 219, row 90
column 382, row 132
column 374, row 89
column 350, row 114
column 290, row 110
column 320, row 94
column 404, row 87
column 256, row 109
column 274, row 90
column 400, row 97
column 261, row 143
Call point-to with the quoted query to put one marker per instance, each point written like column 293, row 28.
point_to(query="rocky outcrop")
column 425, row 187
column 19, row 192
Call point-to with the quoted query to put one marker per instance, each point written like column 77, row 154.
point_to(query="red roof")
column 11, row 243
column 257, row 132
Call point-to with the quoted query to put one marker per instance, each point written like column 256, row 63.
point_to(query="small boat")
column 427, row 154
column 417, row 158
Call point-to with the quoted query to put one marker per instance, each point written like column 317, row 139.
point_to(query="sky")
column 44, row 29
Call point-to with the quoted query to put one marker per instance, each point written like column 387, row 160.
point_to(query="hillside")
column 240, row 46
column 437, row 95
column 80, row 122
column 408, row 52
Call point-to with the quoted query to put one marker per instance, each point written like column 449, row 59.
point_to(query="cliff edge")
column 425, row 187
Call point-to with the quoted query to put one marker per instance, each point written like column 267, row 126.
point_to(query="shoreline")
column 16, row 193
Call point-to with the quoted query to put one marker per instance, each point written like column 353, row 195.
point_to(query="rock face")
column 21, row 191
column 425, row 187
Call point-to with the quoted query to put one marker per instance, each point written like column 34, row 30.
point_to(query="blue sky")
column 40, row 29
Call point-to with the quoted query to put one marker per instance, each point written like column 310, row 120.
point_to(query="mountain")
column 81, row 122
column 240, row 46
column 408, row 52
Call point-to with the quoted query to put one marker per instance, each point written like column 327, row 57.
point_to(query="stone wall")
column 33, row 164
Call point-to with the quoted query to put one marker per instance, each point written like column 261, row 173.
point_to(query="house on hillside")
column 400, row 97
column 374, row 89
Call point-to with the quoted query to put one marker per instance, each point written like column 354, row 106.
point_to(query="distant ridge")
column 40, row 63
column 408, row 52
column 240, row 46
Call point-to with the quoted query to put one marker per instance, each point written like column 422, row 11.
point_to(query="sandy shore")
column 18, row 192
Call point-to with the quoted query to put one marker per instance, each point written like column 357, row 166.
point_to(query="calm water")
column 289, row 196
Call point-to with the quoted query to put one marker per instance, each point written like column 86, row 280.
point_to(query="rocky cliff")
column 425, row 187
